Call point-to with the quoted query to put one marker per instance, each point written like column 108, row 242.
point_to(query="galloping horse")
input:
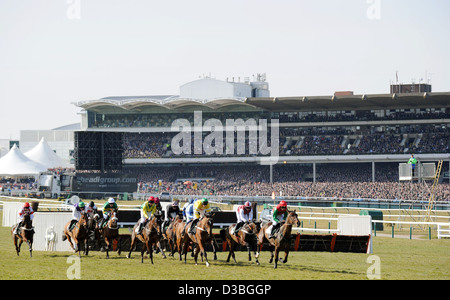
column 201, row 237
column 79, row 233
column 282, row 239
column 25, row 234
column 92, row 227
column 246, row 236
column 110, row 232
column 181, row 238
column 150, row 235
column 171, row 234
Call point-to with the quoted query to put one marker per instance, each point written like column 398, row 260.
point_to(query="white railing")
column 440, row 231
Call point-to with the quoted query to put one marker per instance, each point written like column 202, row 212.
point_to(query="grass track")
column 400, row 259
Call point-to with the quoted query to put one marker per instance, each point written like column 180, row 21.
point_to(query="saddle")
column 273, row 230
column 19, row 227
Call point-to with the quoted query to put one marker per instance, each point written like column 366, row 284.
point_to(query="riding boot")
column 17, row 230
column 72, row 225
column 274, row 229
column 105, row 220
column 100, row 223
column 237, row 228
column 194, row 224
column 140, row 227
column 164, row 224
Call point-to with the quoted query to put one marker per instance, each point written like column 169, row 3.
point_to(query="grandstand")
column 358, row 140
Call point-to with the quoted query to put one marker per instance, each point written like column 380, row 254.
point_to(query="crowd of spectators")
column 333, row 180
column 337, row 181
column 145, row 145
column 432, row 143
column 308, row 141
column 165, row 120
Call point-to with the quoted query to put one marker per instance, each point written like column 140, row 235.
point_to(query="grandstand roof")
column 169, row 102
column 353, row 102
column 281, row 104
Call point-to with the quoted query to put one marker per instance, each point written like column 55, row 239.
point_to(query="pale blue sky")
column 137, row 47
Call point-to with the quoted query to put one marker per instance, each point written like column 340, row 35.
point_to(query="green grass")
column 400, row 259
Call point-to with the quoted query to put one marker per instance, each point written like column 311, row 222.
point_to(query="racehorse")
column 181, row 239
column 26, row 233
column 201, row 237
column 150, row 235
column 93, row 228
column 282, row 239
column 110, row 232
column 79, row 233
column 171, row 234
column 246, row 236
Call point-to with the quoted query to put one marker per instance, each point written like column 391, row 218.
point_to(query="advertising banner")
column 120, row 183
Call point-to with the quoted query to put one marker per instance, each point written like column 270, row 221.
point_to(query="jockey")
column 158, row 204
column 147, row 207
column 279, row 215
column 191, row 210
column 172, row 210
column 108, row 207
column 200, row 208
column 244, row 213
column 188, row 211
column 91, row 209
column 76, row 213
column 26, row 209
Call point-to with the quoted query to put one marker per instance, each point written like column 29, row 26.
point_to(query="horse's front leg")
column 195, row 252
column 249, row 252
column 232, row 248
column 108, row 244
column 214, row 244
column 174, row 247
column 254, row 249
column 133, row 244
column 256, row 258
column 119, row 247
column 30, row 246
column 259, row 243
column 86, row 246
column 203, row 251
column 150, row 252
column 70, row 242
column 277, row 251
column 272, row 248
column 17, row 246
column 185, row 251
column 286, row 254
column 142, row 252
column 77, row 246
column 162, row 250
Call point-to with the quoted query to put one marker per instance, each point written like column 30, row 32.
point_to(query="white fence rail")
column 441, row 231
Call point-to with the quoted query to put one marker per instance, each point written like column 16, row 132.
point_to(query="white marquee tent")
column 44, row 155
column 15, row 163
